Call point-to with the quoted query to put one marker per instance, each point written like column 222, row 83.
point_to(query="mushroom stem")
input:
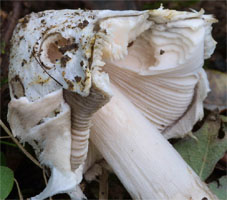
column 82, row 109
column 145, row 162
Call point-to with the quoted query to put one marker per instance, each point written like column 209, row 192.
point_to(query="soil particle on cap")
column 82, row 63
column 68, row 47
column 78, row 79
column 41, row 81
column 23, row 62
column 91, row 16
column 83, row 25
column 41, row 14
column 76, row 13
column 162, row 52
column 17, row 87
column 43, row 21
column 130, row 44
column 70, row 84
column 53, row 53
column 24, row 21
column 64, row 60
column 21, row 38
column 47, row 29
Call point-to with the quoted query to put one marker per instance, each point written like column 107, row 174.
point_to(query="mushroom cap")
column 54, row 49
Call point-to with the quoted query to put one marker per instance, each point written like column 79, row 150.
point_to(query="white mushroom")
column 59, row 64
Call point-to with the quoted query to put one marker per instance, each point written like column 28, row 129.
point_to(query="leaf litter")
column 204, row 153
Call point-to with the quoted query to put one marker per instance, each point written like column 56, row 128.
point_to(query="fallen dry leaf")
column 217, row 98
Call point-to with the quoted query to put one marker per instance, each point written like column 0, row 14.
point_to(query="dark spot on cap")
column 76, row 13
column 78, row 79
column 43, row 21
column 49, row 28
column 56, row 112
column 82, row 63
column 83, row 25
column 23, row 62
column 70, row 84
column 96, row 27
column 53, row 53
column 40, row 122
column 56, row 47
column 41, row 14
column 68, row 47
column 24, row 21
column 162, row 52
column 91, row 16
column 21, row 38
column 62, row 41
column 17, row 87
column 204, row 198
column 130, row 44
column 64, row 60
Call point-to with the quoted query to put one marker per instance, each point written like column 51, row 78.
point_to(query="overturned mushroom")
column 154, row 60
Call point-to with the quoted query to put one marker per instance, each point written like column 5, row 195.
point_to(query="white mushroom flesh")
column 146, row 163
column 58, row 79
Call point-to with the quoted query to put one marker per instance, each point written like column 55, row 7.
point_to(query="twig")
column 103, row 185
column 44, row 176
column 18, row 189
column 26, row 153
column 8, row 143
column 12, row 21
column 19, row 145
column 4, row 137
column 190, row 134
column 45, row 180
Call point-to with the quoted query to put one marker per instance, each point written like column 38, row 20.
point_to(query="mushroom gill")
column 159, row 68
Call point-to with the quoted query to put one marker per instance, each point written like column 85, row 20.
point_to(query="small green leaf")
column 3, row 81
column 2, row 159
column 6, row 181
column 223, row 118
column 219, row 188
column 202, row 155
column 8, row 143
column 2, row 45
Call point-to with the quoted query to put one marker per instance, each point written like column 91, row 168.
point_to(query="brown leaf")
column 217, row 97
